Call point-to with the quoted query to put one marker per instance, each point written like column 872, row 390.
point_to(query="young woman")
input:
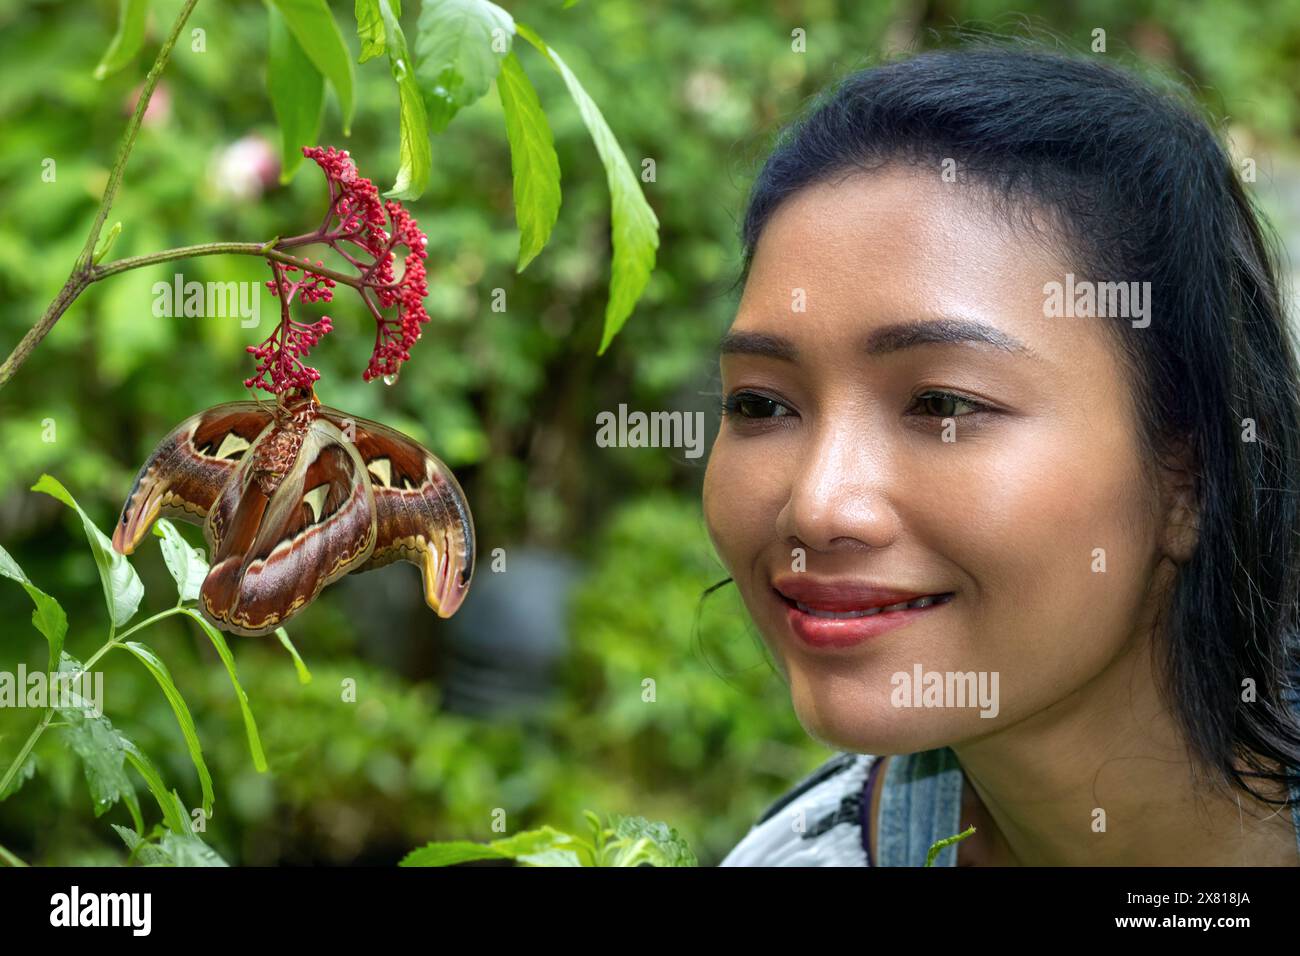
column 1011, row 362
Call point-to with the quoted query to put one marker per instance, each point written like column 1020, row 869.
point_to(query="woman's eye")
column 753, row 405
column 946, row 405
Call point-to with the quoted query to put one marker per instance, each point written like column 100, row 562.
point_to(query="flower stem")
column 81, row 271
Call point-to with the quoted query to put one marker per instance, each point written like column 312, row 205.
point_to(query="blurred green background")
column 532, row 698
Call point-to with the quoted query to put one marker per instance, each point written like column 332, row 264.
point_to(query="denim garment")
column 821, row 821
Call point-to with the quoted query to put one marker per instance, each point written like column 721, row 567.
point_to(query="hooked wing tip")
column 445, row 581
column 134, row 524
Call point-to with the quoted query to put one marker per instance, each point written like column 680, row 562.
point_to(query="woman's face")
column 831, row 474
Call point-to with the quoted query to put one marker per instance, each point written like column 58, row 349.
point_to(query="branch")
column 80, row 277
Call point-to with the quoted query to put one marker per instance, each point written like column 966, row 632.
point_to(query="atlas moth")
column 292, row 495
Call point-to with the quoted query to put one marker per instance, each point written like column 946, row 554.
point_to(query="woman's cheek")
column 1057, row 546
column 742, row 498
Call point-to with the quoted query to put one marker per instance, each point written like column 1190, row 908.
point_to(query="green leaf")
column 173, row 811
column 182, row 711
column 459, row 48
column 416, row 158
column 550, row 858
column 99, row 746
column 48, row 617
column 122, row 589
column 128, row 39
column 546, row 846
column 304, row 675
column 635, row 228
column 297, row 91
column 533, row 841
column 189, row 850
column 173, row 849
column 187, row 564
column 370, row 27
column 533, row 163
column 145, row 852
column 450, row 853
column 314, row 28
column 223, row 650
column 664, row 846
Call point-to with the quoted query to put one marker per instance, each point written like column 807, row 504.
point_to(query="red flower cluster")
column 279, row 364
column 364, row 231
column 394, row 338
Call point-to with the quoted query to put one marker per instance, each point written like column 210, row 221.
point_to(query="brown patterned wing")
column 275, row 553
column 421, row 514
column 187, row 471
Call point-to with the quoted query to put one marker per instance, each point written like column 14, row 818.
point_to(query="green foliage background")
column 508, row 399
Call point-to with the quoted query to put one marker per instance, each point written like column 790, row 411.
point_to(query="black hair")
column 1137, row 185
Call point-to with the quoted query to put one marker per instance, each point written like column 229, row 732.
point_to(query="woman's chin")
column 871, row 725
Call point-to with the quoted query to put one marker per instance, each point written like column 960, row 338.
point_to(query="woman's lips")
column 830, row 614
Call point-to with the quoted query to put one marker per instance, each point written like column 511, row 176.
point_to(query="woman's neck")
column 1102, row 778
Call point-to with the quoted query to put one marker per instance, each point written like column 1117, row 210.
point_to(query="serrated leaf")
column 316, row 31
column 415, row 154
column 454, row 48
column 99, row 746
column 186, row 564
column 158, row 669
column 172, row 849
column 533, row 164
column 634, row 226
column 122, row 588
column 127, row 40
column 450, row 853
column 297, row 91
column 48, row 617
column 223, row 651
column 669, row 847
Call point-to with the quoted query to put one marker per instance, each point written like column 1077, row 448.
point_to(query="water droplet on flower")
column 390, row 379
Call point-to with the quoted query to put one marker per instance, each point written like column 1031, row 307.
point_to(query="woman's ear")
column 1181, row 507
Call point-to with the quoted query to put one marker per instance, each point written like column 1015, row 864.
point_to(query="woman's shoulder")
column 817, row 822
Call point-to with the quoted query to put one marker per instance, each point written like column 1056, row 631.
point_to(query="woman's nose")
column 840, row 495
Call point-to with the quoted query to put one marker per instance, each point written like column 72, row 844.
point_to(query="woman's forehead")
column 846, row 260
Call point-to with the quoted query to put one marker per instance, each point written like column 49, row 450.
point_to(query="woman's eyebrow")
column 886, row 339
column 902, row 335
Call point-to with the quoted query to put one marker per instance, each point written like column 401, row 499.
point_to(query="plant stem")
column 27, row 748
column 9, row 858
column 80, row 277
column 113, row 641
column 128, row 632
column 214, row 249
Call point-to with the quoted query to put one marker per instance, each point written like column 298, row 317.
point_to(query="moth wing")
column 276, row 553
column 187, row 471
column 421, row 513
